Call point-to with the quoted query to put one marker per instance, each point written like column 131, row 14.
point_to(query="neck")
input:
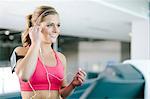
column 46, row 47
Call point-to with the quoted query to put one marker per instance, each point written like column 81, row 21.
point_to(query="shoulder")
column 21, row 50
column 62, row 57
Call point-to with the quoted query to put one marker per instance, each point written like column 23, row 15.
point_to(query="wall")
column 93, row 55
column 125, row 51
column 70, row 50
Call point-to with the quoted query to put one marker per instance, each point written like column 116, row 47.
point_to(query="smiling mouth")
column 52, row 36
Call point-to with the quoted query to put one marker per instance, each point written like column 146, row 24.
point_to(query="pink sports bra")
column 39, row 79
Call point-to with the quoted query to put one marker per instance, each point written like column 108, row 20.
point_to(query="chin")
column 50, row 41
column 53, row 40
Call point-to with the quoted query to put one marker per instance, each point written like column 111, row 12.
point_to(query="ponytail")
column 25, row 35
column 29, row 22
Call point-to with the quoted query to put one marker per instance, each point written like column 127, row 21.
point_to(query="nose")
column 56, row 29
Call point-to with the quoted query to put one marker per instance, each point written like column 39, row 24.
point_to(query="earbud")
column 79, row 69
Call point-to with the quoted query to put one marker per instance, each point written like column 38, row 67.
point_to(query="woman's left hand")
column 79, row 78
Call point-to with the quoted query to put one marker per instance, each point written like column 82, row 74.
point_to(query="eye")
column 58, row 25
column 49, row 25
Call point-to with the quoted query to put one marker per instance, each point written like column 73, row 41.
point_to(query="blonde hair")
column 33, row 18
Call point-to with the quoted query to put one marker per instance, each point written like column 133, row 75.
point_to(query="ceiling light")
column 130, row 34
column 7, row 32
column 11, row 37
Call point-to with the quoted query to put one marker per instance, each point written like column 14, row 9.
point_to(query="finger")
column 81, row 77
column 37, row 28
column 84, row 73
column 34, row 29
column 80, row 70
column 36, row 24
column 80, row 80
column 30, row 28
column 75, row 77
column 80, row 73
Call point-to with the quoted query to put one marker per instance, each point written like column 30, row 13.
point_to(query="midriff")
column 41, row 94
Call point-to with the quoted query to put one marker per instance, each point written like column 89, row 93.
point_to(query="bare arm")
column 77, row 81
column 66, row 91
column 26, row 66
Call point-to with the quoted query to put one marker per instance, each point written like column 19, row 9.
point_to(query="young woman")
column 40, row 69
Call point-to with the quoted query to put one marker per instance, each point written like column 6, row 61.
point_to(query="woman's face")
column 50, row 28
